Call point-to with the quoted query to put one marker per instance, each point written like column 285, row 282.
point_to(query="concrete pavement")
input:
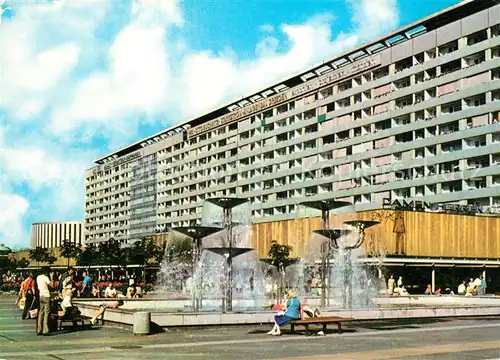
column 470, row 338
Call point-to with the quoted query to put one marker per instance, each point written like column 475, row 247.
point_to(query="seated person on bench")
column 292, row 313
column 67, row 294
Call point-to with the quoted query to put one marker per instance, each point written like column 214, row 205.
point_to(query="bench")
column 75, row 320
column 322, row 320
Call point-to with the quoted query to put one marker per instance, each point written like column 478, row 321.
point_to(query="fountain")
column 345, row 244
column 325, row 206
column 206, row 254
column 197, row 233
column 233, row 216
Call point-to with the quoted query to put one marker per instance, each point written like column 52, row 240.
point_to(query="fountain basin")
column 227, row 203
column 450, row 306
column 197, row 232
column 325, row 205
column 233, row 252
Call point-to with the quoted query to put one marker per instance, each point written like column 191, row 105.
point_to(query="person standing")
column 483, row 285
column 477, row 286
column 28, row 293
column 86, row 285
column 44, row 281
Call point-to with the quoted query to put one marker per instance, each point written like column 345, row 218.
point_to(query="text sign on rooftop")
column 331, row 77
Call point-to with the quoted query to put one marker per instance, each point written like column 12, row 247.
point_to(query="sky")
column 82, row 78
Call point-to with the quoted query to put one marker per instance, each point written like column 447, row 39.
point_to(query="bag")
column 33, row 313
column 310, row 312
column 21, row 303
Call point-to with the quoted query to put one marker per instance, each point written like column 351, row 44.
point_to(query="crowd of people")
column 474, row 287
column 47, row 293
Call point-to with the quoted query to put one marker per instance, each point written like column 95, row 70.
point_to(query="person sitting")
column 103, row 307
column 462, row 289
column 110, row 291
column 67, row 294
column 132, row 290
column 96, row 291
column 292, row 313
column 403, row 291
column 449, row 291
column 138, row 292
column 428, row 291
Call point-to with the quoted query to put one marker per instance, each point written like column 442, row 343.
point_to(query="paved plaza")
column 431, row 339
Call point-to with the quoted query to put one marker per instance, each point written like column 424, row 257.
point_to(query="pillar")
column 142, row 323
column 433, row 279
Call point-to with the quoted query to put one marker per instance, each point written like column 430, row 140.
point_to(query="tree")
column 153, row 251
column 7, row 263
column 143, row 251
column 40, row 254
column 51, row 259
column 69, row 250
column 87, row 255
column 111, row 253
column 23, row 263
column 279, row 255
column 160, row 254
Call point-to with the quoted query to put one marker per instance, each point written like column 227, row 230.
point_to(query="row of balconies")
column 344, row 136
column 450, row 146
column 475, row 47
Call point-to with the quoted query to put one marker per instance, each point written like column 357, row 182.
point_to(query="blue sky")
column 80, row 79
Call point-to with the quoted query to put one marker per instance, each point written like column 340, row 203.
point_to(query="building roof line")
column 430, row 22
column 57, row 222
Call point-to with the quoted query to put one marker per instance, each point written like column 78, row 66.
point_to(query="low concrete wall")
column 438, row 300
column 166, row 319
column 381, row 301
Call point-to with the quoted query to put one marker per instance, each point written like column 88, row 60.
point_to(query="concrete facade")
column 51, row 234
column 414, row 115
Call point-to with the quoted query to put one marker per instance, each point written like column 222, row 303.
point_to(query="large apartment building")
column 414, row 115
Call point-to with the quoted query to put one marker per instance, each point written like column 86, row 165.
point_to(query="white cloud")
column 12, row 210
column 161, row 11
column 136, row 80
column 88, row 86
column 374, row 17
column 44, row 42
column 207, row 80
column 38, row 168
column 145, row 75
